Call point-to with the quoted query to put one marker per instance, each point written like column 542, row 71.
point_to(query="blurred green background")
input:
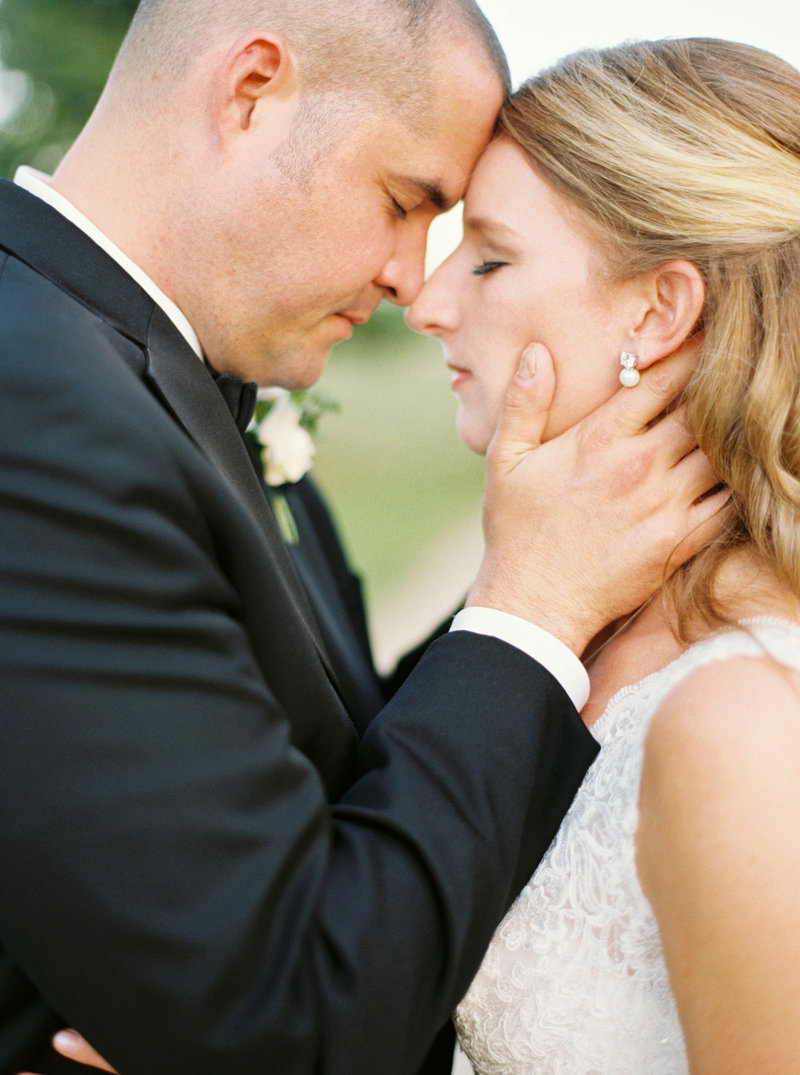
column 405, row 493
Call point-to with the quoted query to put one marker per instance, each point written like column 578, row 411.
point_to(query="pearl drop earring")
column 628, row 375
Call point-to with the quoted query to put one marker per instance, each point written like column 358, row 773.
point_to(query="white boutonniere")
column 283, row 428
column 287, row 450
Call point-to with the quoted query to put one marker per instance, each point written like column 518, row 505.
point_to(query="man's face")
column 292, row 274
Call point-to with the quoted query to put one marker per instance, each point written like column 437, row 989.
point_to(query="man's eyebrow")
column 433, row 192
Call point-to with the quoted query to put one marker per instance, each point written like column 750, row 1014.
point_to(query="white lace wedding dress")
column 574, row 982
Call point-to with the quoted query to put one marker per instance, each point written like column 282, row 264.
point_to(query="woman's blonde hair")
column 691, row 149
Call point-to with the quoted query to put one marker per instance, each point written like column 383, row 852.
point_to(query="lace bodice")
column 574, row 982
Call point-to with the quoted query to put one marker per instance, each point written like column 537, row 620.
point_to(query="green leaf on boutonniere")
column 313, row 404
column 285, row 519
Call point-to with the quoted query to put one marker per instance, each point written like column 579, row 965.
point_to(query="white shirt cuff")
column 539, row 644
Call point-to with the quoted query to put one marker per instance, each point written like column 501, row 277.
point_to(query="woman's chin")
column 473, row 435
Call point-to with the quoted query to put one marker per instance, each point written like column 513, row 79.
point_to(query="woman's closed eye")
column 486, row 267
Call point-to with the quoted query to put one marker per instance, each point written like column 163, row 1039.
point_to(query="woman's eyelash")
column 399, row 210
column 487, row 267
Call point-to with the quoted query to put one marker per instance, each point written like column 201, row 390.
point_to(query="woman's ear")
column 675, row 295
column 257, row 81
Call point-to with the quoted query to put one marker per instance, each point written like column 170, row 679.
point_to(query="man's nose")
column 403, row 274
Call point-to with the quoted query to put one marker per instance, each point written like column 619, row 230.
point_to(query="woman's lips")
column 459, row 375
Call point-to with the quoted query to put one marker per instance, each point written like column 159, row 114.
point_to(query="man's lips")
column 343, row 325
column 358, row 316
column 348, row 319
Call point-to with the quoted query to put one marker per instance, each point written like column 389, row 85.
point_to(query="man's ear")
column 257, row 81
column 675, row 295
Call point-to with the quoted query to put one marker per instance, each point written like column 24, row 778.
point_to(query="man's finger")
column 630, row 410
column 695, row 476
column 673, row 436
column 710, row 515
column 705, row 520
column 526, row 405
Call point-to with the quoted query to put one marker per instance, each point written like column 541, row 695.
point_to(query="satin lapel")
column 353, row 664
column 188, row 389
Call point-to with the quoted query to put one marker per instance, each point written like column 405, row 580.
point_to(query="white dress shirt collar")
column 39, row 184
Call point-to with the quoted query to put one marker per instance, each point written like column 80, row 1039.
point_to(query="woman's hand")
column 74, row 1047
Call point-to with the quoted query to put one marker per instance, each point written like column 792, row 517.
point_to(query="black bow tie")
column 239, row 395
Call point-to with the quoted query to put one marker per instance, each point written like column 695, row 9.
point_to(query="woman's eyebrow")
column 503, row 239
column 493, row 229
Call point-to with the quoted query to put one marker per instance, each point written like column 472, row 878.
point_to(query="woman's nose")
column 433, row 310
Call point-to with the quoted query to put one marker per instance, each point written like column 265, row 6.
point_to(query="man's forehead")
column 467, row 123
column 450, row 162
column 433, row 169
column 433, row 153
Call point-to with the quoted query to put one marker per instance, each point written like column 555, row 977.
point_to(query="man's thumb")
column 527, row 402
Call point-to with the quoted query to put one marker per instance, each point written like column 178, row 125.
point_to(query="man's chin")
column 296, row 373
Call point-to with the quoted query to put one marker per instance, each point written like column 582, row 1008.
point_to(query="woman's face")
column 525, row 271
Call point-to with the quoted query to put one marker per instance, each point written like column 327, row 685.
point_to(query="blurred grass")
column 56, row 54
column 390, row 462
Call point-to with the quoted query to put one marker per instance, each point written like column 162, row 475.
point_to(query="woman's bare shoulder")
column 724, row 708
column 719, row 860
column 721, row 776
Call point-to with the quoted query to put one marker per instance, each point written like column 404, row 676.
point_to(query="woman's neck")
column 630, row 649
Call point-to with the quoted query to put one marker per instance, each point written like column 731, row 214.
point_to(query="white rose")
column 289, row 449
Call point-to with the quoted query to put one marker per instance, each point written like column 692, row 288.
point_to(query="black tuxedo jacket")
column 212, row 861
column 335, row 595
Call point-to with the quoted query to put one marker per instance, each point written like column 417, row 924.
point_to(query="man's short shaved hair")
column 374, row 48
column 354, row 58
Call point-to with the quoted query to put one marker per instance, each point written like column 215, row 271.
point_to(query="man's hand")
column 579, row 530
column 71, row 1045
